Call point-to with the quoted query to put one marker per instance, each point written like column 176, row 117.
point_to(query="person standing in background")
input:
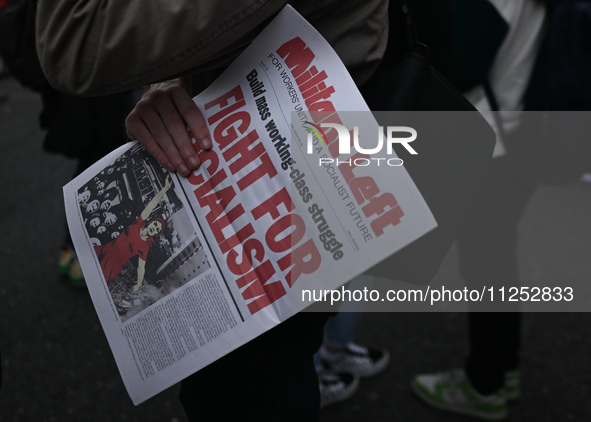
column 506, row 34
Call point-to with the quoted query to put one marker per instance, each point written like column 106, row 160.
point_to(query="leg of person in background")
column 487, row 244
column 488, row 257
column 493, row 362
column 340, row 362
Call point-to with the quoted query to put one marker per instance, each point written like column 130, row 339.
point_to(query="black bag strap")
column 412, row 39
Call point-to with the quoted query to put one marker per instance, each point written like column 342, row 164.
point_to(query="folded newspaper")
column 184, row 270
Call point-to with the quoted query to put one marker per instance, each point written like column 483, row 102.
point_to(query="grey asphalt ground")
column 57, row 365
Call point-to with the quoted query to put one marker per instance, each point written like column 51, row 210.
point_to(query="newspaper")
column 184, row 270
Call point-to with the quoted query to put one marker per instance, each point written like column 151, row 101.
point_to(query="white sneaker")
column 356, row 359
column 453, row 392
column 336, row 387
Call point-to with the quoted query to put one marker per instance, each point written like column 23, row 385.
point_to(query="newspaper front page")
column 184, row 270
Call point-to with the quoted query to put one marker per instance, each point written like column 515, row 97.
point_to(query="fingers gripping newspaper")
column 184, row 270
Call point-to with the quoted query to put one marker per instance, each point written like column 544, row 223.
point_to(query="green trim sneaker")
column 453, row 392
column 512, row 385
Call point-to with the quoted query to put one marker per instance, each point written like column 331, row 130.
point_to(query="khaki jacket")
column 97, row 47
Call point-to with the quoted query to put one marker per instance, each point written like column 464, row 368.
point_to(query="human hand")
column 159, row 122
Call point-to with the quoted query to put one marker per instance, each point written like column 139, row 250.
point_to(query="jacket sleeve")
column 97, row 47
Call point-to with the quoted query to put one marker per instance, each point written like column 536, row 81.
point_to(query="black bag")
column 447, row 174
column 17, row 43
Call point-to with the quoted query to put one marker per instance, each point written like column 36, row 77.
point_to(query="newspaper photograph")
column 184, row 270
column 160, row 244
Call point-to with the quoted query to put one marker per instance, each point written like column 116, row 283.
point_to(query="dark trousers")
column 271, row 378
column 487, row 244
